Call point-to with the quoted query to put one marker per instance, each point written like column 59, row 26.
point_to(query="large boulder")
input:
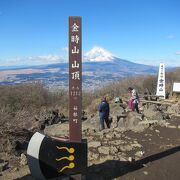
column 59, row 130
column 130, row 121
column 117, row 112
column 174, row 109
column 92, row 121
column 152, row 113
column 15, row 140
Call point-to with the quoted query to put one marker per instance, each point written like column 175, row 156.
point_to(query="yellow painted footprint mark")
column 71, row 166
column 70, row 150
column 70, row 158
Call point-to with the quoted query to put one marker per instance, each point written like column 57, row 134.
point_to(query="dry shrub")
column 30, row 96
column 150, row 84
column 93, row 107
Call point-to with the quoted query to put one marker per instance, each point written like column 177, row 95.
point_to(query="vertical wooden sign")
column 75, row 79
column 161, row 81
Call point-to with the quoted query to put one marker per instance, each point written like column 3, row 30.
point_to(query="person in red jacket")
column 134, row 99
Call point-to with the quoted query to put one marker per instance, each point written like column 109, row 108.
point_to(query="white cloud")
column 98, row 54
column 155, row 62
column 172, row 62
column 32, row 60
column 178, row 53
column 45, row 58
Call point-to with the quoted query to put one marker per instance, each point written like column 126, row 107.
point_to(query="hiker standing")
column 134, row 99
column 104, row 113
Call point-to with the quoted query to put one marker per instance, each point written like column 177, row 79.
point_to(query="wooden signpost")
column 75, row 79
column 50, row 157
column 161, row 81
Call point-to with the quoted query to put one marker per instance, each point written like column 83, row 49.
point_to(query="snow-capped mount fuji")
column 98, row 54
column 100, row 60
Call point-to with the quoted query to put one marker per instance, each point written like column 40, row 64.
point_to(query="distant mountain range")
column 94, row 73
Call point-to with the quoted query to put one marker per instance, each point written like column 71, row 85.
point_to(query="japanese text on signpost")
column 75, row 78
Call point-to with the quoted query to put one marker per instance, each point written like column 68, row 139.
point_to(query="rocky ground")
column 137, row 146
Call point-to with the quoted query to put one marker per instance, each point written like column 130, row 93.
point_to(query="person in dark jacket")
column 104, row 113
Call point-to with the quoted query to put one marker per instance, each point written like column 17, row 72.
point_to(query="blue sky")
column 142, row 31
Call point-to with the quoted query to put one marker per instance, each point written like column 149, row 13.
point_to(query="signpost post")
column 75, row 79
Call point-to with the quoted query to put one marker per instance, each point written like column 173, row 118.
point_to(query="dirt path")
column 161, row 160
column 162, row 155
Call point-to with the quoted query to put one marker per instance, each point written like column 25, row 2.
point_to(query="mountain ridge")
column 94, row 73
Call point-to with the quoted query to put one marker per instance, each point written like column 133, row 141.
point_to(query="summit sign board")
column 75, row 79
column 161, row 81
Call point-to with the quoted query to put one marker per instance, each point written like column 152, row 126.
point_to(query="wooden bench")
column 152, row 97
